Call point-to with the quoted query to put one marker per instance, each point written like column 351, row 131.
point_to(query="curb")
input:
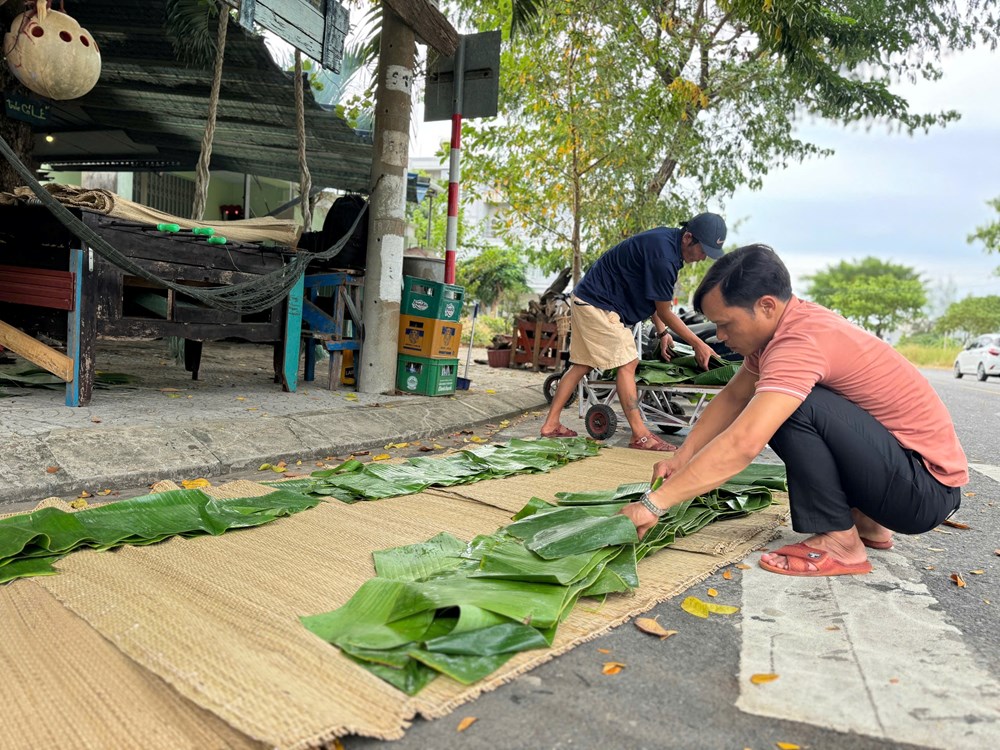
column 126, row 457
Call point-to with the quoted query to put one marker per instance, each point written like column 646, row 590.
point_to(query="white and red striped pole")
column 454, row 166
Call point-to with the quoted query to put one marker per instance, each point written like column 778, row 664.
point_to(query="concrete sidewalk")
column 232, row 419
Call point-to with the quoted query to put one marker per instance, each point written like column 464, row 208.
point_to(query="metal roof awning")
column 148, row 110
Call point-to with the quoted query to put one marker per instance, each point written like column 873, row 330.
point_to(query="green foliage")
column 494, row 275
column 989, row 234
column 487, row 326
column 929, row 349
column 875, row 294
column 622, row 116
column 971, row 316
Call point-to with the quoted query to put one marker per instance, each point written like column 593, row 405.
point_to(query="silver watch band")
column 649, row 505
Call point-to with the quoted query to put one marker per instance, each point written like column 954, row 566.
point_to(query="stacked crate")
column 429, row 337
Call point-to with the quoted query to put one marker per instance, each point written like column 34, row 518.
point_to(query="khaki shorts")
column 598, row 338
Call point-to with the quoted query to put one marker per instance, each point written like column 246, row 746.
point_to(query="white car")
column 981, row 357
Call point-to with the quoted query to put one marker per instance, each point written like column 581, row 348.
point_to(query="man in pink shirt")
column 868, row 446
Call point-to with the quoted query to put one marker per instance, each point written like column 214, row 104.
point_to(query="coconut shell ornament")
column 51, row 54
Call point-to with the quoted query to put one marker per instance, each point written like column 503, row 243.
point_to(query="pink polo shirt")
column 815, row 346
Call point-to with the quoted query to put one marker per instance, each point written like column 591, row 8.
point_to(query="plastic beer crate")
column 428, row 377
column 432, row 299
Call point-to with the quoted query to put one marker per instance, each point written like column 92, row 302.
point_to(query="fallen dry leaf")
column 986, row 601
column 104, row 492
column 612, row 667
column 465, row 723
column 425, row 448
column 95, row 420
column 728, row 575
column 695, row 606
column 337, row 744
column 396, row 445
column 360, row 453
column 936, row 549
column 79, row 503
column 381, row 457
column 741, row 566
column 712, row 592
column 51, row 469
column 651, row 626
column 970, row 494
column 604, row 650
column 760, row 679
column 996, row 552
column 438, row 447
column 977, row 572
column 490, row 390
column 505, row 423
column 893, row 680
column 833, row 627
column 956, row 524
column 84, row 493
column 476, row 439
column 942, row 531
column 192, row 484
column 959, row 581
column 929, row 567
column 787, row 746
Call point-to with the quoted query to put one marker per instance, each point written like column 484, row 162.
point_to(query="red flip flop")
column 652, row 443
column 559, row 432
column 872, row 544
column 800, row 555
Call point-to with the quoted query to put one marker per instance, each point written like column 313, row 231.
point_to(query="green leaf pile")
column 353, row 480
column 461, row 609
column 31, row 543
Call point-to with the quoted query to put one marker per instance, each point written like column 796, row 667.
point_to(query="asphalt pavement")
column 903, row 657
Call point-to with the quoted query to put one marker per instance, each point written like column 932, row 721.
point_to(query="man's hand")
column 663, row 469
column 666, row 342
column 642, row 518
column 703, row 354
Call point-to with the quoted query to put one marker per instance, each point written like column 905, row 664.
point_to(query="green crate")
column 428, row 377
column 431, row 299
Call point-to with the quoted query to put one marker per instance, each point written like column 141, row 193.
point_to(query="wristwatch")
column 649, row 505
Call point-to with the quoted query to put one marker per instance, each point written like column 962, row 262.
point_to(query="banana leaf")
column 51, row 532
column 717, row 376
column 417, row 562
column 34, row 377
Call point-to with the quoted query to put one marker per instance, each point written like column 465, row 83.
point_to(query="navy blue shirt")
column 634, row 275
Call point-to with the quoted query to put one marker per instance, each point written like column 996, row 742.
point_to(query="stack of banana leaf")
column 682, row 368
column 463, row 609
column 353, row 481
column 31, row 543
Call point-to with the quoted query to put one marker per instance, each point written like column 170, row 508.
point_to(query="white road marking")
column 892, row 668
column 993, row 472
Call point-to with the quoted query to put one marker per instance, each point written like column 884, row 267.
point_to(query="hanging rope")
column 261, row 293
column 201, row 180
column 305, row 179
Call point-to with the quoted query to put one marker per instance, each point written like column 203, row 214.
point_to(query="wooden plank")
column 293, row 336
column 36, row 352
column 39, row 287
column 428, row 23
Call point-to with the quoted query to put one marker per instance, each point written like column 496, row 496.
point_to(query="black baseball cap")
column 710, row 232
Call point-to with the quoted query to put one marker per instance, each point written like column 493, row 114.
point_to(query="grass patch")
column 924, row 355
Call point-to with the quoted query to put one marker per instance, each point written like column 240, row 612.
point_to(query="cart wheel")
column 671, row 429
column 601, row 421
column 549, row 389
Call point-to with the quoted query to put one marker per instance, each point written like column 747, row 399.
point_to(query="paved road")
column 900, row 658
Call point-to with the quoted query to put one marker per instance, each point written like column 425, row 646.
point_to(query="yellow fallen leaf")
column 959, row 581
column 438, row 447
column 970, row 494
column 299, row 462
column 78, row 503
column 465, row 723
column 95, row 420
column 604, row 650
column 104, row 492
column 381, row 457
column 476, row 439
column 612, row 667
column 727, row 574
column 172, row 395
column 263, row 467
column 787, row 746
column 337, row 744
column 191, row 484
column 695, row 606
column 721, row 609
column 396, row 445
column 651, row 626
column 351, row 396
column 241, row 398
column 84, row 493
column 942, row 531
column 833, row 627
column 930, row 567
column 505, row 423
column 986, row 601
column 956, row 524
column 490, row 390
column 741, row 566
column 977, row 572
column 761, row 678
column 51, row 469
column 936, row 549
column 713, row 592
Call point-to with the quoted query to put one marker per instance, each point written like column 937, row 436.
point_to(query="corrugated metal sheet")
column 154, row 100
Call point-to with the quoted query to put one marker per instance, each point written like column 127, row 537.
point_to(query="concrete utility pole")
column 387, row 219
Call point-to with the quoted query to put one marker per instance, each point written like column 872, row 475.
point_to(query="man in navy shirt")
column 633, row 281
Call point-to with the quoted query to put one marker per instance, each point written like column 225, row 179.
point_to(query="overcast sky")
column 910, row 200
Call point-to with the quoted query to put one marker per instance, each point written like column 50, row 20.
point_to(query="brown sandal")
column 559, row 432
column 652, row 443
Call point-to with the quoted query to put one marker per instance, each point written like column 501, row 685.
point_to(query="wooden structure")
column 331, row 315
column 51, row 284
column 537, row 344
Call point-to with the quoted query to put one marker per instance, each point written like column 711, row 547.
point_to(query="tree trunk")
column 17, row 134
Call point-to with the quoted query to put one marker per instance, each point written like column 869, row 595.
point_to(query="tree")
column 989, row 234
column 494, row 275
column 876, row 295
column 620, row 116
column 971, row 316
